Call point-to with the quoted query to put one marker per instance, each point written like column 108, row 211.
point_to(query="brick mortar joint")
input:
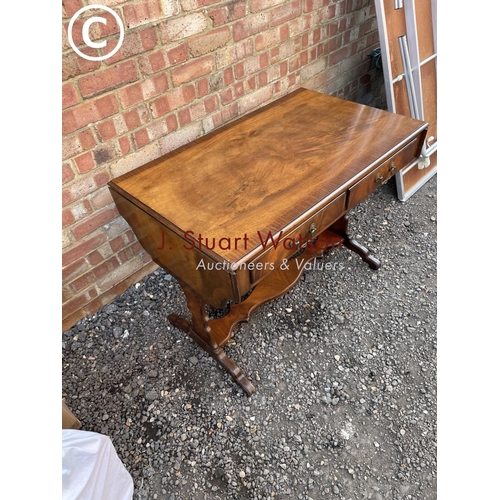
column 134, row 149
column 148, row 103
column 156, row 24
column 167, row 71
column 114, row 255
column 161, row 46
column 105, row 168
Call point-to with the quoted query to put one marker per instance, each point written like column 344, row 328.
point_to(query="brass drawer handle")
column 380, row 179
column 312, row 230
column 392, row 167
column 295, row 243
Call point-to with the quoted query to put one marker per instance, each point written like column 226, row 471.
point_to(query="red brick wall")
column 185, row 67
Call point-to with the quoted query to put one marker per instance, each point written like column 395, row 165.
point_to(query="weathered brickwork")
column 185, row 68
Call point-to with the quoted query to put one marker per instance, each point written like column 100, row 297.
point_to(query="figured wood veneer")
column 256, row 192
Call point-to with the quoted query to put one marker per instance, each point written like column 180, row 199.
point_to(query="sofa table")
column 237, row 214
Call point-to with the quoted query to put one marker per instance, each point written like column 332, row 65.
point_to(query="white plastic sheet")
column 91, row 469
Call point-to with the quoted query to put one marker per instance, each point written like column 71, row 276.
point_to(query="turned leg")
column 200, row 331
column 340, row 227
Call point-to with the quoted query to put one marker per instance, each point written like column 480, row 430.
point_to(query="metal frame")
column 412, row 65
column 384, row 52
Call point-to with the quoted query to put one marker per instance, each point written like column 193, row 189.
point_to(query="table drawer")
column 286, row 245
column 383, row 173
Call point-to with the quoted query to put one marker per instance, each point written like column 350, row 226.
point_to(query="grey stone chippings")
column 344, row 366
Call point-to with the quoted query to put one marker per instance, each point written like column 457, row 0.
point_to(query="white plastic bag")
column 91, row 469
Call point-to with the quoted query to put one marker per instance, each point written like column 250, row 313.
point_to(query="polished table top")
column 294, row 167
column 265, row 171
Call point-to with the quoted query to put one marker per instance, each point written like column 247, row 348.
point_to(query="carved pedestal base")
column 216, row 352
column 340, row 227
column 212, row 335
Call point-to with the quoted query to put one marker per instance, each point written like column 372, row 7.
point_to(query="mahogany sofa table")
column 235, row 215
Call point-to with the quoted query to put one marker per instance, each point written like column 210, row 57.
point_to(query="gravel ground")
column 344, row 367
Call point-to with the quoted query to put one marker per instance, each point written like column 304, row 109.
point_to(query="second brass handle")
column 381, row 179
column 296, row 244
